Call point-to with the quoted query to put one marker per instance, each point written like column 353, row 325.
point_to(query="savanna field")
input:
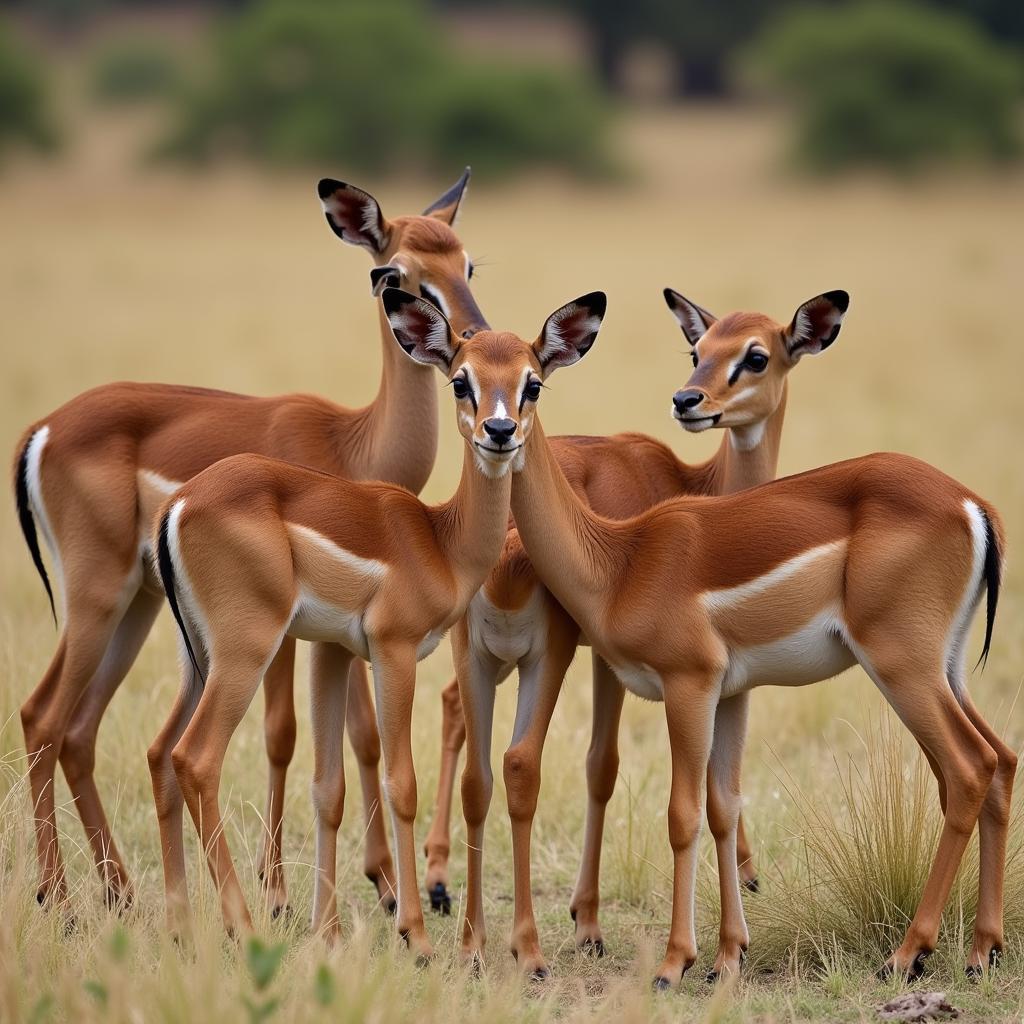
column 232, row 280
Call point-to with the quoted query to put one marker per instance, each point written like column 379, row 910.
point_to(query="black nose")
column 500, row 430
column 686, row 400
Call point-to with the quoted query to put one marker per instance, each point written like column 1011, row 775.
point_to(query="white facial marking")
column 500, row 410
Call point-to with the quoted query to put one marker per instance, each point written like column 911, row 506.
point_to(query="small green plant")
column 130, row 70
column 262, row 961
column 892, row 84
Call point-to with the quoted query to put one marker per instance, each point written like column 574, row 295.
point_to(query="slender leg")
column 690, row 711
column 724, row 818
column 540, row 683
column 745, row 859
column 279, row 737
column 993, row 823
column 170, row 801
column 92, row 619
column 361, row 724
column 438, row 845
column 602, row 771
column 478, row 673
column 394, row 680
column 328, row 687
column 921, row 696
column 78, row 752
column 198, row 758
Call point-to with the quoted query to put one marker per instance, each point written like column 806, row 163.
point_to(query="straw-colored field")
column 234, row 281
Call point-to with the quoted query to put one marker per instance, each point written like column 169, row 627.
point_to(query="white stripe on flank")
column 367, row 566
column 33, row 481
column 160, row 483
column 727, row 598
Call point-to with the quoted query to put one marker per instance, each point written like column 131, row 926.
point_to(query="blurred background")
column 159, row 221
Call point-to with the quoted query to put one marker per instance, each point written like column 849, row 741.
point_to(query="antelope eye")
column 693, row 356
column 469, row 273
column 460, row 388
column 532, row 390
column 756, row 361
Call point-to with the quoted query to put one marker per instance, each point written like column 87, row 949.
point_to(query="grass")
column 234, row 281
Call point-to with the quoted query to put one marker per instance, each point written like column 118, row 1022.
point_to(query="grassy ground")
column 234, row 281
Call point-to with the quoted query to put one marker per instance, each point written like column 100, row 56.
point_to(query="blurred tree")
column 374, row 86
column 131, row 69
column 24, row 114
column 892, row 84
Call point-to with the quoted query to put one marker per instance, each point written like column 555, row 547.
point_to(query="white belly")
column 314, row 619
column 640, row 679
column 508, row 636
column 810, row 654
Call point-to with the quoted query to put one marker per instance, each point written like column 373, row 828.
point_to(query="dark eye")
column 756, row 361
column 532, row 390
column 469, row 273
column 693, row 356
column 428, row 293
column 460, row 388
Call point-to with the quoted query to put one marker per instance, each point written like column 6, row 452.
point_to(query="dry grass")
column 234, row 281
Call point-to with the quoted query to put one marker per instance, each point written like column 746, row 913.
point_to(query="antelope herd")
column 266, row 520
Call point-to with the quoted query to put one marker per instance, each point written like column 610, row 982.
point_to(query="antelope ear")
column 816, row 324
column 695, row 320
column 387, row 276
column 354, row 215
column 447, row 207
column 420, row 328
column 569, row 332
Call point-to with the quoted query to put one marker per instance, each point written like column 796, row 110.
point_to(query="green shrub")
column 24, row 113
column 373, row 86
column 892, row 84
column 134, row 69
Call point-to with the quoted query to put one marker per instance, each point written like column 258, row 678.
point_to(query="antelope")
column 880, row 561
column 253, row 550
column 92, row 474
column 741, row 385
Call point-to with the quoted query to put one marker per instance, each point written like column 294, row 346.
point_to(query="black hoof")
column 752, row 885
column 282, row 910
column 422, row 961
column 661, row 984
column 711, row 977
column 976, row 971
column 40, row 896
column 592, row 947
column 440, row 901
column 391, row 907
column 541, row 974
column 917, row 967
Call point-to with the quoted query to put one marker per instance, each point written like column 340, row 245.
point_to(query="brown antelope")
column 881, row 561
column 253, row 550
column 92, row 473
column 740, row 384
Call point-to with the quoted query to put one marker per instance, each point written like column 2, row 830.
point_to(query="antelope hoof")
column 281, row 910
column 912, row 972
column 661, row 984
column 540, row 974
column 385, row 895
column 592, row 947
column 440, row 900
column 752, row 885
column 976, row 971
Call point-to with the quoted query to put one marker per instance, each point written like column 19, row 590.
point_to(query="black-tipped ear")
column 447, row 207
column 816, row 324
column 695, row 320
column 420, row 328
column 388, row 276
column 353, row 215
column 569, row 332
